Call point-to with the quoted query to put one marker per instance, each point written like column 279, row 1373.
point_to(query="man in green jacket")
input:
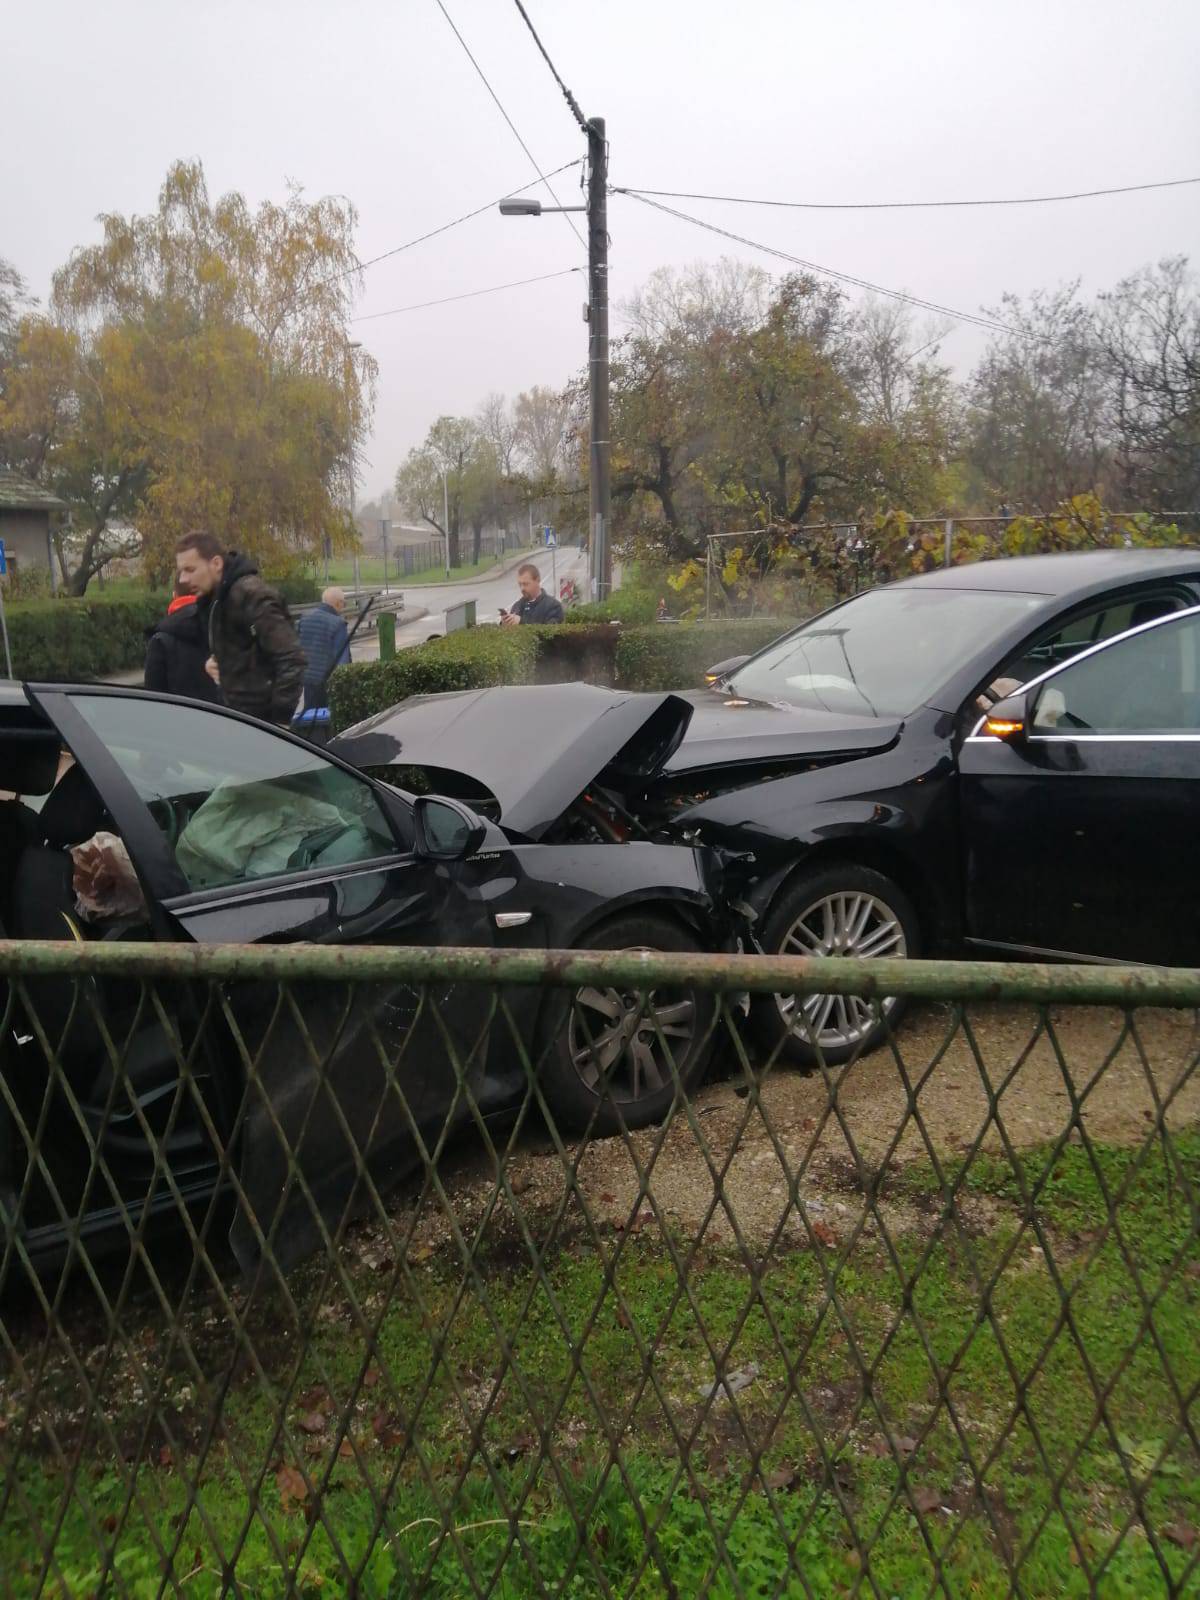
column 254, row 654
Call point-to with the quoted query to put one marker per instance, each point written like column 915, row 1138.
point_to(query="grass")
column 823, row 1466
column 371, row 572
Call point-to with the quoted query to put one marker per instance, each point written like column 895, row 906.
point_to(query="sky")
column 780, row 99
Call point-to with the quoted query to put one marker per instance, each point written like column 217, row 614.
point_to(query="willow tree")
column 215, row 383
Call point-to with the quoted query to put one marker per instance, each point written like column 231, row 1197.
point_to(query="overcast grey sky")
column 374, row 99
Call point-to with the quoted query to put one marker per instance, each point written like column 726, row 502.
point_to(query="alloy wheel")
column 855, row 925
column 623, row 1043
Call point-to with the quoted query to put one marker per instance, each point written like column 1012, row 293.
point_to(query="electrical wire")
column 567, row 95
column 831, row 272
column 906, row 205
column 471, row 294
column 500, row 107
column 466, row 217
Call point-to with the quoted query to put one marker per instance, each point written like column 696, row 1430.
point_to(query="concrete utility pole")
column 600, row 497
column 596, row 312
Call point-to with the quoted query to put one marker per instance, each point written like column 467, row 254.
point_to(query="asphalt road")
column 488, row 593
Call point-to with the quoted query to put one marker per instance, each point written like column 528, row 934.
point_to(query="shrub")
column 666, row 656
column 474, row 658
column 66, row 640
column 658, row 657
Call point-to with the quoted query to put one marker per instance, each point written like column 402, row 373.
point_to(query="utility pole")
column 446, row 518
column 596, row 314
column 600, row 488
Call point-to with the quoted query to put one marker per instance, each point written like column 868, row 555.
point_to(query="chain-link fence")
column 392, row 1272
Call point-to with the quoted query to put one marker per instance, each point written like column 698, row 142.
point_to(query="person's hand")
column 508, row 620
column 213, row 670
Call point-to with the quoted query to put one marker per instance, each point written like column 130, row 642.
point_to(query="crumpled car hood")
column 534, row 748
column 725, row 730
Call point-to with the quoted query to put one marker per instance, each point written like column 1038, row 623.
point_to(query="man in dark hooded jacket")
column 255, row 655
column 176, row 650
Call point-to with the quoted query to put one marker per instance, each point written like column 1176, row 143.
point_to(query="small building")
column 28, row 516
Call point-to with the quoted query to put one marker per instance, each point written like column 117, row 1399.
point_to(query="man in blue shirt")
column 325, row 640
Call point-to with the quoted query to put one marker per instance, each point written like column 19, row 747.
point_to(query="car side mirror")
column 446, row 830
column 1008, row 719
column 723, row 670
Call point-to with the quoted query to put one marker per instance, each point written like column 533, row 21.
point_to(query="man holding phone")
column 534, row 605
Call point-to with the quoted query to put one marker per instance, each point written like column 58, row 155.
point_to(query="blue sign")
column 550, row 536
column 3, row 560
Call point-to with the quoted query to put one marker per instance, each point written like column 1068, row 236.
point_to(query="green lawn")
column 342, row 571
column 813, row 1458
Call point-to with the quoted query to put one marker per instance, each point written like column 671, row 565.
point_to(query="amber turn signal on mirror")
column 1002, row 727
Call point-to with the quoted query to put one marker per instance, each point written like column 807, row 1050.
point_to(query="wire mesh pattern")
column 320, row 1276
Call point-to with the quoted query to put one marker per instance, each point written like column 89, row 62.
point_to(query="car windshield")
column 882, row 654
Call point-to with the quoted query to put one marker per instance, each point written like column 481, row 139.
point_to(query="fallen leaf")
column 110, row 1524
column 418, row 1253
column 904, row 1444
column 824, row 1234
column 1180, row 1533
column 623, row 1318
column 312, row 1422
column 314, row 1448
column 293, row 1491
column 387, row 1430
column 371, row 1377
column 346, row 1450
column 608, row 1199
column 165, row 1458
column 927, row 1499
column 315, row 1399
column 781, row 1478
column 877, row 1445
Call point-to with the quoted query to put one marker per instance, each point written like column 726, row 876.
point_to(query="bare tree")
column 498, row 426
column 1148, row 331
column 698, row 301
column 541, row 417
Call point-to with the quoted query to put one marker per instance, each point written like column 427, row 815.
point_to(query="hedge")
column 61, row 641
column 676, row 655
column 65, row 641
column 658, row 656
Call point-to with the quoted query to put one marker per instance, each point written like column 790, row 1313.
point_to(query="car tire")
column 817, row 913
column 636, row 1088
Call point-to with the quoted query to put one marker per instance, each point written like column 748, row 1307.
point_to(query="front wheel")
column 612, row 1057
column 834, row 910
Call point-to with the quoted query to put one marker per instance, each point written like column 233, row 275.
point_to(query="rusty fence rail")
column 387, row 1272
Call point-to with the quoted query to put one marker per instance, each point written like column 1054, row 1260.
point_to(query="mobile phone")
column 503, row 611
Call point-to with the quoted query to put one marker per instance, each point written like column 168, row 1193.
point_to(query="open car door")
column 242, row 834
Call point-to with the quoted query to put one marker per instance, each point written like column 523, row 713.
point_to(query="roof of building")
column 18, row 493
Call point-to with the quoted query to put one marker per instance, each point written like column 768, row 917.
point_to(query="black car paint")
column 777, row 786
column 401, row 899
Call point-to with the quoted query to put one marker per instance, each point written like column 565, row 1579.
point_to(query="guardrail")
column 350, row 1295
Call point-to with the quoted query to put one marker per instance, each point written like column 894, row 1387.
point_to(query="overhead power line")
column 906, row 205
column 829, row 272
column 471, row 294
column 500, row 107
column 466, row 217
column 567, row 95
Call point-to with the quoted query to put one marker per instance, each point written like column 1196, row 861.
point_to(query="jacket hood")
column 237, row 566
column 531, row 750
column 185, row 623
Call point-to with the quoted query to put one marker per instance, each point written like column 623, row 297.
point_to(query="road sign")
column 3, row 560
column 550, row 536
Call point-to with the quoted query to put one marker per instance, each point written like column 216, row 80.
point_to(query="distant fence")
column 924, row 1324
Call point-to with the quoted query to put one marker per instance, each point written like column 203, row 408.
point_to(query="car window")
column 237, row 802
column 1103, row 621
column 1148, row 683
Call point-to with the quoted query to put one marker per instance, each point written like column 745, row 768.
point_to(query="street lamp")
column 446, row 519
column 352, row 345
column 600, row 497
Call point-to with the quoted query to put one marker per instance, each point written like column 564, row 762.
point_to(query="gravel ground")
column 795, row 1128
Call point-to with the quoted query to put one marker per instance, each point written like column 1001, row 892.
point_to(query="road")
column 488, row 593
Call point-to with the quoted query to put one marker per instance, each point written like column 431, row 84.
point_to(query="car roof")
column 1061, row 575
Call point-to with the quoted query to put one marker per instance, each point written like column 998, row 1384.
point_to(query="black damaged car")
column 205, row 826
column 835, row 768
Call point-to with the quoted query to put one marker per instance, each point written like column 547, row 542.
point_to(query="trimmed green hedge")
column 676, row 655
column 658, row 656
column 60, row 641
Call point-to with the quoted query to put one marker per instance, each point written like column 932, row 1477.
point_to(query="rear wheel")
column 836, row 910
column 611, row 1057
